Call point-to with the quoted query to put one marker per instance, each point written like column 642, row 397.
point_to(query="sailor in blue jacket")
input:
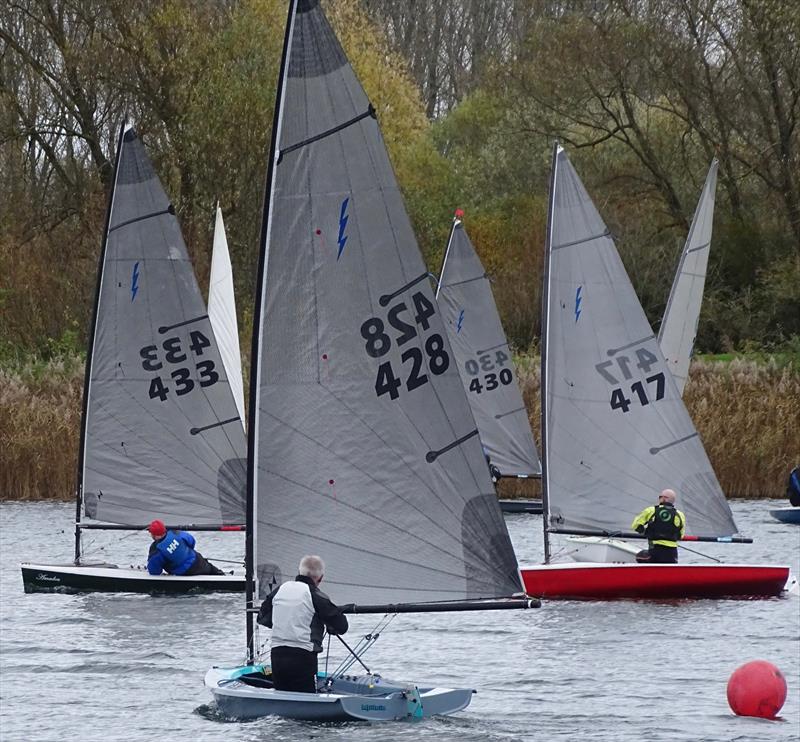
column 173, row 552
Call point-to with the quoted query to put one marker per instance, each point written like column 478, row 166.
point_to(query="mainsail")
column 679, row 325
column 222, row 312
column 363, row 448
column 616, row 431
column 483, row 358
column 162, row 435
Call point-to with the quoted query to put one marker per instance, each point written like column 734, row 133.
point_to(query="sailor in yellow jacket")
column 664, row 526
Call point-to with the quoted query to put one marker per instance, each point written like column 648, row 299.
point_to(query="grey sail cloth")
column 163, row 435
column 679, row 325
column 481, row 352
column 366, row 450
column 617, row 431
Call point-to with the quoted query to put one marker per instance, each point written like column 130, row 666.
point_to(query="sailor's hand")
column 640, row 529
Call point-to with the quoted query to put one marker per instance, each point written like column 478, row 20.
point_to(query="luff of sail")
column 222, row 312
column 616, row 429
column 481, row 352
column 163, row 437
column 679, row 325
column 363, row 446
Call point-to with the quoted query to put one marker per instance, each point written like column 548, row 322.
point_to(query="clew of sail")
column 679, row 325
column 162, row 434
column 615, row 429
column 481, row 352
column 222, row 312
column 363, row 447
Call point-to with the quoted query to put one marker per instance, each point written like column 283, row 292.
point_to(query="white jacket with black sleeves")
column 298, row 613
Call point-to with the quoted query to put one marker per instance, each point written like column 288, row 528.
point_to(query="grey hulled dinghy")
column 362, row 446
column 161, row 434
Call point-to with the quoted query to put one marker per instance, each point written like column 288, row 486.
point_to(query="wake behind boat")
column 362, row 447
column 614, row 428
column 161, row 435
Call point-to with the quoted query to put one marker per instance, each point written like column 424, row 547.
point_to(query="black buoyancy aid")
column 665, row 525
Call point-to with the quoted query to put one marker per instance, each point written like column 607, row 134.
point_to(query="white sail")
column 615, row 429
column 679, row 325
column 222, row 313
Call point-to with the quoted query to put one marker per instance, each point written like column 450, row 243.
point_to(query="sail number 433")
column 173, row 354
column 621, row 366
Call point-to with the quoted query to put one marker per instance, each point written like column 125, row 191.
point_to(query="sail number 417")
column 645, row 360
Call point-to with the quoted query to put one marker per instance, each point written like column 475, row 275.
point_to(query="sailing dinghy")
column 676, row 337
column 615, row 431
column 483, row 358
column 161, row 435
column 362, row 447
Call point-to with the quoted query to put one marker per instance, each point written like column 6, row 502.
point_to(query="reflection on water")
column 129, row 667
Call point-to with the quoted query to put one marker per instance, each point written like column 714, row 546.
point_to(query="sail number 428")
column 378, row 343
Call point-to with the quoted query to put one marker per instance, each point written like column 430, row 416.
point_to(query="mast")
column 89, row 351
column 255, row 358
column 544, row 341
column 456, row 221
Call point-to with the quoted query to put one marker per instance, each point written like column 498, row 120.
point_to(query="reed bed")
column 747, row 413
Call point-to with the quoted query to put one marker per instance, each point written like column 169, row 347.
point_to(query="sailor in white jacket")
column 298, row 613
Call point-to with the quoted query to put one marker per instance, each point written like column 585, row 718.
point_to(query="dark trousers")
column 294, row 669
column 658, row 554
column 201, row 566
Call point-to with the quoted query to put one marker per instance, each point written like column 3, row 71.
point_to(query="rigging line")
column 195, row 431
column 494, row 347
column 607, row 233
column 657, row 449
column 166, row 328
column 354, row 654
column 699, row 553
column 370, row 112
column 400, row 457
column 614, row 351
column 510, row 412
column 386, row 298
column 431, row 456
column 446, row 286
column 169, row 210
column 147, row 445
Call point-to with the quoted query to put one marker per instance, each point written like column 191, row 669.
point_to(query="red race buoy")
column 757, row 688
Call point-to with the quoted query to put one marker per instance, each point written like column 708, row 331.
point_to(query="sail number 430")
column 378, row 343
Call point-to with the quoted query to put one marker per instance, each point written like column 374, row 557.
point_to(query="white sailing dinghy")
column 676, row 337
column 362, row 447
column 483, row 358
column 161, row 435
column 615, row 431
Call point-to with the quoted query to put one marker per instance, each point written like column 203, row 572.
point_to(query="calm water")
column 128, row 667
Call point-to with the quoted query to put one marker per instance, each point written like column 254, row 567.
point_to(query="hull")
column 521, row 505
column 109, row 578
column 654, row 581
column 246, row 693
column 786, row 515
column 599, row 549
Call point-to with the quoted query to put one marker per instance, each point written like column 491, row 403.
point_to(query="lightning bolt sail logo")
column 578, row 299
column 460, row 321
column 135, row 280
column 342, row 226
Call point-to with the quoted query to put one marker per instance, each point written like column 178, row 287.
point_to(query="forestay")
column 365, row 447
column 616, row 429
column 222, row 312
column 163, row 437
column 483, row 358
column 679, row 325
